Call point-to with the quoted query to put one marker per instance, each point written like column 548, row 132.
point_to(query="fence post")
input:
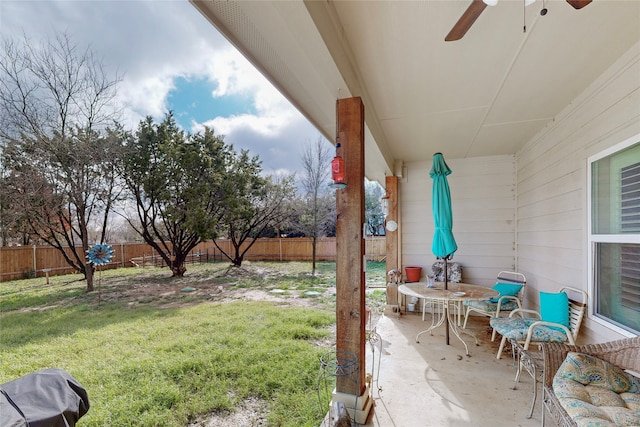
column 35, row 266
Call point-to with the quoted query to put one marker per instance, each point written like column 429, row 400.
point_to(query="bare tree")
column 56, row 103
column 316, row 161
column 8, row 221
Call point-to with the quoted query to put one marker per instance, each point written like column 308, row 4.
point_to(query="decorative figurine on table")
column 431, row 281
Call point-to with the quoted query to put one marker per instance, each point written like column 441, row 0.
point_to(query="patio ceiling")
column 486, row 94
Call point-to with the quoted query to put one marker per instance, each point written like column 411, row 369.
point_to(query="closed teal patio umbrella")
column 444, row 244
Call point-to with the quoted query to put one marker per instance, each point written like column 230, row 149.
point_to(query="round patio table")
column 455, row 295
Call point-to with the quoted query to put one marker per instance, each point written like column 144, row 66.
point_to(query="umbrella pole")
column 446, row 319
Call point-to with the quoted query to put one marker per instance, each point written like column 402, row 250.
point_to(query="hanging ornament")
column 337, row 164
column 337, row 167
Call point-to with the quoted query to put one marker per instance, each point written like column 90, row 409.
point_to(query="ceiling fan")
column 475, row 9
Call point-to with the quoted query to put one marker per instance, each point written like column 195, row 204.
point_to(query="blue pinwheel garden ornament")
column 100, row 254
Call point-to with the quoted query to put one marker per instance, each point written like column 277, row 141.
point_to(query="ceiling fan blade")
column 466, row 20
column 578, row 4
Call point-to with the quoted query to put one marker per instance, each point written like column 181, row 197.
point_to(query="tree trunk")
column 178, row 270
column 313, row 254
column 177, row 267
column 88, row 274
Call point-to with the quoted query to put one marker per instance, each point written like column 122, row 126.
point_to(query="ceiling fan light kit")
column 478, row 6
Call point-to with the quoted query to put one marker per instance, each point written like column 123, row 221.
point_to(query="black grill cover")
column 49, row 398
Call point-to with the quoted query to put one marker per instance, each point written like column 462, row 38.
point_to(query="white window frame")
column 604, row 238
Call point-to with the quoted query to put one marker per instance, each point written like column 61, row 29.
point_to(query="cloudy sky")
column 170, row 57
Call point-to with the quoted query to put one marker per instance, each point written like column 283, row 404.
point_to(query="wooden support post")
column 350, row 307
column 391, row 233
column 350, row 275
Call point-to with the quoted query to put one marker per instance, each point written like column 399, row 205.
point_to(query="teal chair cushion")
column 506, row 289
column 555, row 308
column 516, row 328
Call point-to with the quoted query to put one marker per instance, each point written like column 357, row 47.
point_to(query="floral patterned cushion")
column 596, row 393
column 454, row 271
column 491, row 307
column 517, row 328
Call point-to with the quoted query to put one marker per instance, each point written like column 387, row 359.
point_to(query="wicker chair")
column 623, row 353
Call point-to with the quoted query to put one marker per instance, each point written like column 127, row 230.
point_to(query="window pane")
column 618, row 283
column 616, row 193
column 630, row 198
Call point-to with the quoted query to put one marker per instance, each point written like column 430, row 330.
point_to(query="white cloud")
column 144, row 97
column 234, row 75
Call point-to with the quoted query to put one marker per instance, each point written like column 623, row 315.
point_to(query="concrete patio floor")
column 433, row 384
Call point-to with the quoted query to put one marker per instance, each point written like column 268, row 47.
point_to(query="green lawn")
column 152, row 355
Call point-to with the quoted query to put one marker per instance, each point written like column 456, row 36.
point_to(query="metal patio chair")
column 548, row 325
column 511, row 286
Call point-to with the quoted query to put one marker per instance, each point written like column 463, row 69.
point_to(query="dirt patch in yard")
column 220, row 283
column 248, row 414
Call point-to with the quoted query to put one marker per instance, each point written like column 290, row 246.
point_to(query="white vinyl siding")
column 483, row 206
column 553, row 209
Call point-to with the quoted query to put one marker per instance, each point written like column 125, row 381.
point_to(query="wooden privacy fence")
column 40, row 261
